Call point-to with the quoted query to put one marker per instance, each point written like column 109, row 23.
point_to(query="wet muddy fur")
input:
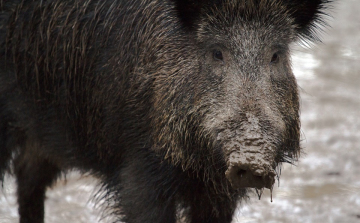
column 122, row 90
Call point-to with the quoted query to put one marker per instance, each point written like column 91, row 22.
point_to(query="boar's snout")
column 243, row 175
column 250, row 154
column 251, row 166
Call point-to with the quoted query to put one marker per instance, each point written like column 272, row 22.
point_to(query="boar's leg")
column 147, row 194
column 33, row 177
column 152, row 211
column 206, row 214
column 19, row 137
column 5, row 149
column 208, row 208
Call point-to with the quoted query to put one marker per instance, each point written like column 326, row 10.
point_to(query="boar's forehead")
column 239, row 24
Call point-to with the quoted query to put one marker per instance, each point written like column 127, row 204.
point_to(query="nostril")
column 241, row 172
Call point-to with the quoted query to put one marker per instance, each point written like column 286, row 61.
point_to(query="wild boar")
column 179, row 107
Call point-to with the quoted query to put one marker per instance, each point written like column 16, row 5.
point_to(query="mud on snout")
column 251, row 166
column 250, row 155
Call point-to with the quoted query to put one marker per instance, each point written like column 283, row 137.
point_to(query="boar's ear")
column 189, row 11
column 308, row 14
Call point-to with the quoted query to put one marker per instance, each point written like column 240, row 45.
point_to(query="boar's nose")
column 241, row 176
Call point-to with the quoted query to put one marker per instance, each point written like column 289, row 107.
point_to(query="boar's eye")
column 275, row 58
column 217, row 54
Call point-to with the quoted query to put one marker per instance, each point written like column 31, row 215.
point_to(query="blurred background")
column 324, row 186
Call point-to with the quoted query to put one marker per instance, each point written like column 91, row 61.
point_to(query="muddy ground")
column 323, row 187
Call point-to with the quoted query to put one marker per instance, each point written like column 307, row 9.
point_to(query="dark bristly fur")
column 131, row 92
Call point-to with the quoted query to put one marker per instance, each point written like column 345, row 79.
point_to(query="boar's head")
column 227, row 103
